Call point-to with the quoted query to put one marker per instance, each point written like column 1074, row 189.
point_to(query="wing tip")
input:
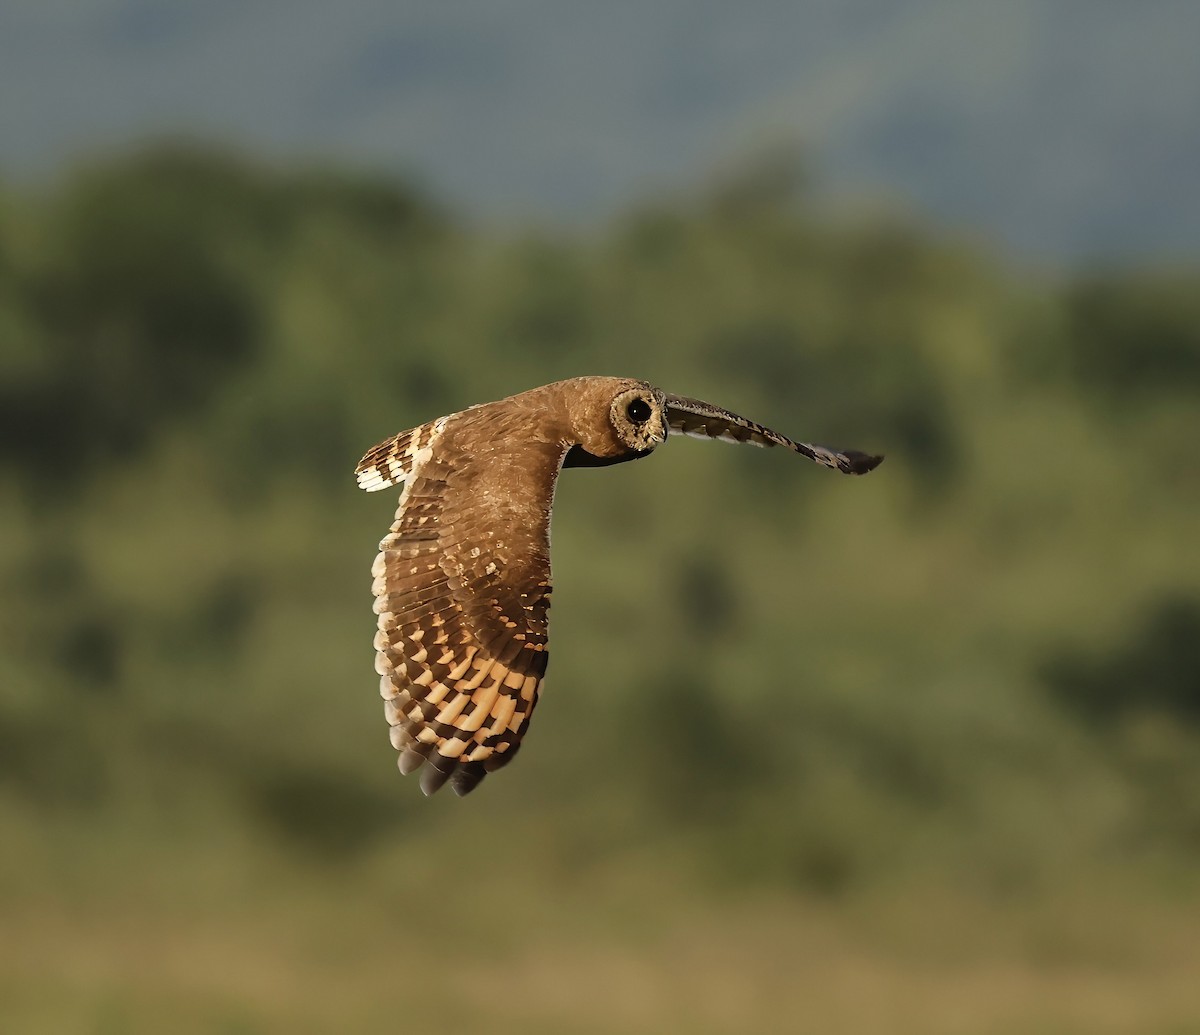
column 436, row 772
column 432, row 778
column 860, row 463
column 369, row 479
column 373, row 474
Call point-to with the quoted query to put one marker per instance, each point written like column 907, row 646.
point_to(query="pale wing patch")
column 397, row 458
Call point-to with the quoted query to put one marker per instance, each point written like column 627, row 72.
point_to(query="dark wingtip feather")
column 432, row 778
column 410, row 761
column 860, row 463
column 498, row 760
column 466, row 777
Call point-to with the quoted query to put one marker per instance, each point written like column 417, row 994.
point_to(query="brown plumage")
column 462, row 580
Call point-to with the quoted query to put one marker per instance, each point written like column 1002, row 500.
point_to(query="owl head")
column 638, row 415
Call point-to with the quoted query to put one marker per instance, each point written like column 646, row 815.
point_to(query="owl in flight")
column 462, row 580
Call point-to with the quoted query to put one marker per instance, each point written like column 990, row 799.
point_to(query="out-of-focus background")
column 936, row 762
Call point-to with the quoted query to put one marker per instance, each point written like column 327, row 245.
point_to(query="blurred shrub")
column 149, row 284
column 141, row 312
column 1156, row 670
column 54, row 765
column 1142, row 700
column 1135, row 334
column 331, row 816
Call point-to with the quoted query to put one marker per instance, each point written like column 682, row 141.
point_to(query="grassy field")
column 418, row 936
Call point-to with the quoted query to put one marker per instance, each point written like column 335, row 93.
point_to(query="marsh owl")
column 462, row 580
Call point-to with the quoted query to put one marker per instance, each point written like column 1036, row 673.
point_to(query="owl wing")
column 462, row 590
column 703, row 420
column 394, row 459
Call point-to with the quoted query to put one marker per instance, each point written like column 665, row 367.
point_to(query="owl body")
column 462, row 580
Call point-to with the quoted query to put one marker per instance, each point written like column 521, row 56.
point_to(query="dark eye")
column 639, row 411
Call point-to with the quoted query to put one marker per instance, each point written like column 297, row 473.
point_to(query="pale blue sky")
column 1059, row 128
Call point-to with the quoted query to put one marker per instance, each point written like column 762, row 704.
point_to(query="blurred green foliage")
column 975, row 669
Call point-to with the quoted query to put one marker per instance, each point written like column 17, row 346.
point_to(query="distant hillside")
column 1063, row 130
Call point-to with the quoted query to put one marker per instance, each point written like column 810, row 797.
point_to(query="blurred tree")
column 151, row 285
column 1157, row 670
column 140, row 312
column 1135, row 334
column 767, row 183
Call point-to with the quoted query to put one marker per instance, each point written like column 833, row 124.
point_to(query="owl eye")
column 638, row 411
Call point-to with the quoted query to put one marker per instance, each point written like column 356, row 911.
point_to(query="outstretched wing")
column 462, row 590
column 703, row 420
